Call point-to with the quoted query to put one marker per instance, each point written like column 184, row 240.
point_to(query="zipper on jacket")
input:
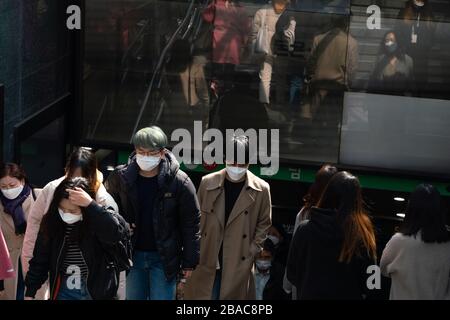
column 87, row 277
column 57, row 267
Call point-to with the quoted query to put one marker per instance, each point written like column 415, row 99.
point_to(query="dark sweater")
column 73, row 255
column 313, row 265
column 147, row 191
column 232, row 192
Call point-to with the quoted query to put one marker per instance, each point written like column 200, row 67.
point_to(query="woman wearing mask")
column 417, row 258
column 394, row 71
column 416, row 30
column 72, row 247
column 81, row 163
column 16, row 200
column 331, row 252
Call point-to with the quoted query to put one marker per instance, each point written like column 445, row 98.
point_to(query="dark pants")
column 215, row 295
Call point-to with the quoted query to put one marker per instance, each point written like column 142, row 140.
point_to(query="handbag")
column 262, row 44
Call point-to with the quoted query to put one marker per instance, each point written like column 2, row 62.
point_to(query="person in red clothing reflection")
column 230, row 30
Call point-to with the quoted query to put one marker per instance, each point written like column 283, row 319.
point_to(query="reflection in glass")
column 169, row 63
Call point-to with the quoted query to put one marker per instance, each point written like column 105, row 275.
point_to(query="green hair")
column 152, row 138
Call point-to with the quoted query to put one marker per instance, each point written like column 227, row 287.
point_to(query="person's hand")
column 28, row 298
column 2, row 293
column 187, row 274
column 131, row 227
column 79, row 197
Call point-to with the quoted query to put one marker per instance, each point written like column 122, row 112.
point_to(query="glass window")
column 35, row 58
column 312, row 69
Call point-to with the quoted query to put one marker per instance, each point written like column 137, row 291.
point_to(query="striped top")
column 73, row 257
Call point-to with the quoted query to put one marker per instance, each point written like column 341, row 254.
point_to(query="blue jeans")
column 147, row 281
column 66, row 293
column 294, row 91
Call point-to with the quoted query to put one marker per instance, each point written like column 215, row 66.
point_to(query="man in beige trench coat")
column 235, row 216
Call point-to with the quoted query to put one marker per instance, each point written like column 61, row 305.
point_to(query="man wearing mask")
column 236, row 214
column 158, row 200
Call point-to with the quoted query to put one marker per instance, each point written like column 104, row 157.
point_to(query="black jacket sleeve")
column 189, row 216
column 105, row 223
column 280, row 42
column 112, row 185
column 296, row 253
column 39, row 266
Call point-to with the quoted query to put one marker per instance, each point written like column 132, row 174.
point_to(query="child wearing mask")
column 263, row 263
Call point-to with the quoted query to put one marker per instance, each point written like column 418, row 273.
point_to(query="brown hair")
column 323, row 176
column 13, row 170
column 344, row 195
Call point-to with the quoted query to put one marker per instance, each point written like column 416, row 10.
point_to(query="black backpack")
column 116, row 258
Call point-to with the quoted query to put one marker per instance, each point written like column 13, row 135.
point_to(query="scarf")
column 15, row 210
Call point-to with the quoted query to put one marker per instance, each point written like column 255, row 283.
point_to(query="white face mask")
column 70, row 218
column 419, row 3
column 235, row 173
column 275, row 240
column 13, row 193
column 147, row 163
column 263, row 265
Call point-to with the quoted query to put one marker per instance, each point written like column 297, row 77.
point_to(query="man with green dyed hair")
column 159, row 202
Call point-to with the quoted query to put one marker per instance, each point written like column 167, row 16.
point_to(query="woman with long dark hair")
column 81, row 163
column 323, row 176
column 331, row 252
column 417, row 258
column 394, row 71
column 75, row 239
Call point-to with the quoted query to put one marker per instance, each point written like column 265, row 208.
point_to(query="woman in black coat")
column 331, row 252
column 78, row 246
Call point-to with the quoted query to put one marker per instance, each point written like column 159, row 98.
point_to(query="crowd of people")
column 307, row 59
column 146, row 233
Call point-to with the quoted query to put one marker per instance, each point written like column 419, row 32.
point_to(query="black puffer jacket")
column 176, row 215
column 99, row 233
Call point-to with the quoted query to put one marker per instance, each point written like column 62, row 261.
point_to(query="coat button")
column 212, row 210
column 243, row 258
column 205, row 234
column 246, row 212
column 244, row 236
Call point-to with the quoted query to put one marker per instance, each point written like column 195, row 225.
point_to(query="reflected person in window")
column 393, row 73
